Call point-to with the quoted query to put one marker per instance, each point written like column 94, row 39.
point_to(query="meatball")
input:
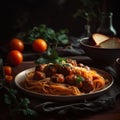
column 87, row 86
column 58, row 78
column 73, row 62
column 65, row 69
column 71, row 79
column 40, row 67
column 39, row 75
column 50, row 70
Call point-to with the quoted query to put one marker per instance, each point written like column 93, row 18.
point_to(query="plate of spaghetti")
column 64, row 81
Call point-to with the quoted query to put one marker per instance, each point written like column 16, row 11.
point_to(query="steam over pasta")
column 66, row 78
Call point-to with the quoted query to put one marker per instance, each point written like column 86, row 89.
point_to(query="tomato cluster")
column 8, row 73
column 16, row 48
column 15, row 56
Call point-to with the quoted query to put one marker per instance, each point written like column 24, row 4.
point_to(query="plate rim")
column 64, row 98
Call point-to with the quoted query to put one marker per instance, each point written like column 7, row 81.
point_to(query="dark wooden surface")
column 112, row 114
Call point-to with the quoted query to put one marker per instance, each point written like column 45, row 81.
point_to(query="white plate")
column 21, row 76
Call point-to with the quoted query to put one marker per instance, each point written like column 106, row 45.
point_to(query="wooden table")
column 112, row 114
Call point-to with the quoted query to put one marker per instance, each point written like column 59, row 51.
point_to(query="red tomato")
column 39, row 45
column 15, row 57
column 16, row 44
column 7, row 70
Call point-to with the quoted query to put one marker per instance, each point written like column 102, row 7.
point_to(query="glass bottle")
column 106, row 25
column 86, row 32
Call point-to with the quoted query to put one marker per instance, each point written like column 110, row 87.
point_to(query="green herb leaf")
column 7, row 99
column 47, row 33
column 51, row 56
column 24, row 101
column 29, row 111
column 79, row 79
column 17, row 104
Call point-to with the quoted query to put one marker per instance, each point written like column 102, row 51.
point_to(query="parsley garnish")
column 51, row 56
column 79, row 79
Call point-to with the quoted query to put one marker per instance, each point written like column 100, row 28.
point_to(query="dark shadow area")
column 20, row 16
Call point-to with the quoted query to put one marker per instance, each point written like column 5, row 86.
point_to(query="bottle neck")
column 106, row 20
column 87, row 30
column 106, row 25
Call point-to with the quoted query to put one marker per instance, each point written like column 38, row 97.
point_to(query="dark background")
column 20, row 16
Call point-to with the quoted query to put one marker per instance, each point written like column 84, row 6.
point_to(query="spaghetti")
column 63, row 79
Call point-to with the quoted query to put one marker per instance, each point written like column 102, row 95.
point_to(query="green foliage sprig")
column 16, row 104
column 47, row 33
column 50, row 56
column 88, row 10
